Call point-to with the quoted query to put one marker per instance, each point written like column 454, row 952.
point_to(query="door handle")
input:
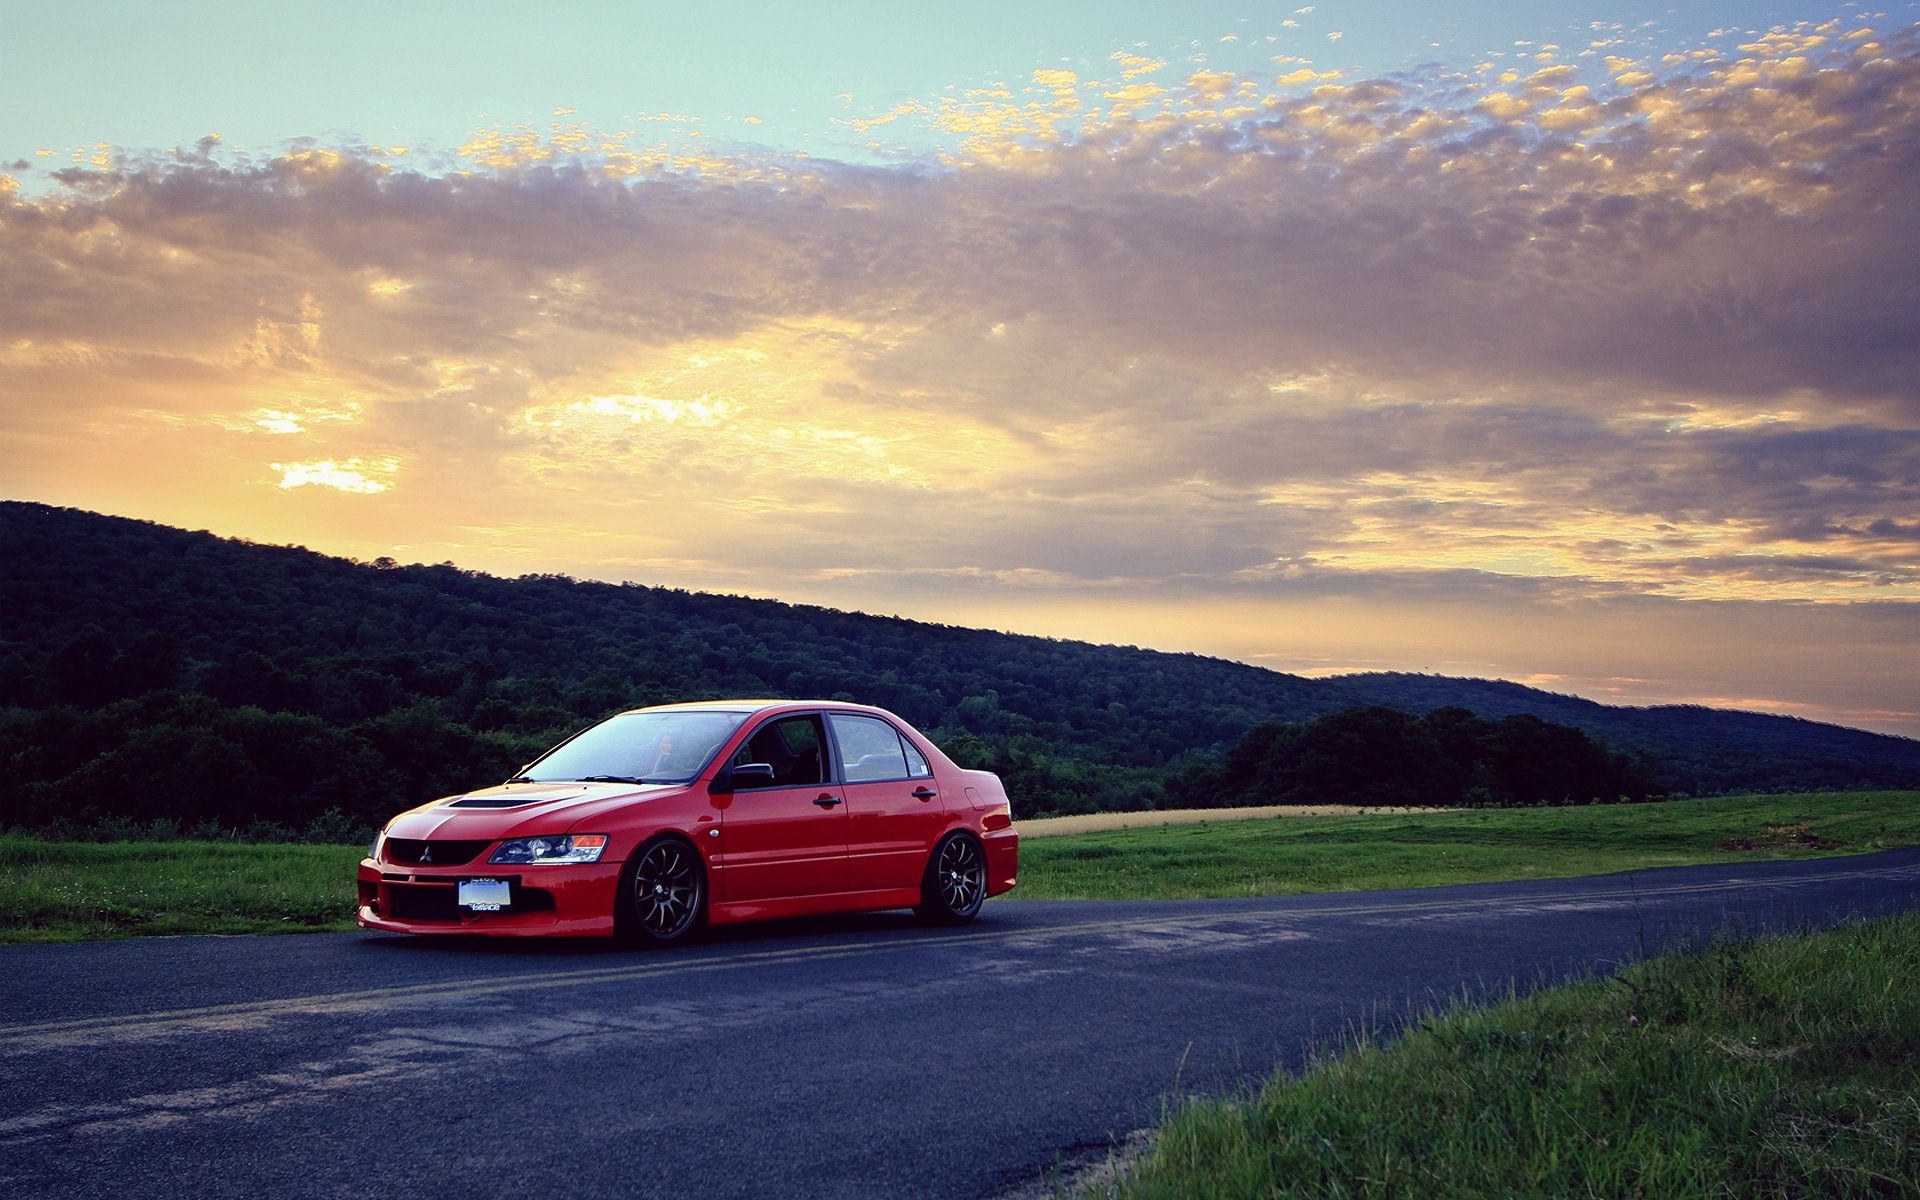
column 924, row 793
column 826, row 800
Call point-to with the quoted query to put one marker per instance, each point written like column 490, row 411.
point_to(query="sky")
column 1571, row 344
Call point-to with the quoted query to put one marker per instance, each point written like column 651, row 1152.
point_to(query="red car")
column 657, row 821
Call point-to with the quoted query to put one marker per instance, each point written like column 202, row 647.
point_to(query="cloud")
column 1642, row 331
column 366, row 477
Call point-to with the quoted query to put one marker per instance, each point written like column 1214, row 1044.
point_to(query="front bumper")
column 573, row 900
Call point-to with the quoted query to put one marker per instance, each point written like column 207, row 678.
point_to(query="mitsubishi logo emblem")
column 426, row 852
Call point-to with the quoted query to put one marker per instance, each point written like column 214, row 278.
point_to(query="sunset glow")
column 1594, row 366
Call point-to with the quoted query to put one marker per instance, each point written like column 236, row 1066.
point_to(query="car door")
column 895, row 809
column 789, row 838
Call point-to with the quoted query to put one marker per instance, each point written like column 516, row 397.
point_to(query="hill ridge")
column 99, row 610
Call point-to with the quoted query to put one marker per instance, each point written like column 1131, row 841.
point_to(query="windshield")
column 638, row 747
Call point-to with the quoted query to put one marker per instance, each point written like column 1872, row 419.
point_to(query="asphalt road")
column 855, row 1057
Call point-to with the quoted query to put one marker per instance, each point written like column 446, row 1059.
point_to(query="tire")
column 955, row 884
column 663, row 894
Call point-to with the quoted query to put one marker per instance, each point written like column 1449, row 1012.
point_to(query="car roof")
column 756, row 706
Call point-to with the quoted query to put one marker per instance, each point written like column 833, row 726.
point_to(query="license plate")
column 485, row 895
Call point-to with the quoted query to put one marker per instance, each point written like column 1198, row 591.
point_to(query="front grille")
column 415, row 852
column 440, row 901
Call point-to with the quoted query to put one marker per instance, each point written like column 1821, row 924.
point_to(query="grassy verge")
column 1288, row 855
column 1786, row 1067
column 68, row 891
column 79, row 891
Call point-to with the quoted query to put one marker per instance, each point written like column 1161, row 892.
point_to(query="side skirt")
column 808, row 906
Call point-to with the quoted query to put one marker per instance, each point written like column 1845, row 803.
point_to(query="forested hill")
column 450, row 677
column 1697, row 749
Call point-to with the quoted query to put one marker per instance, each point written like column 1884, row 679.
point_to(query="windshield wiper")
column 612, row 779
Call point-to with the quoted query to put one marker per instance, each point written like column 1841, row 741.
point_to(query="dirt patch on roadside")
column 1775, row 837
column 1079, row 1168
column 1101, row 822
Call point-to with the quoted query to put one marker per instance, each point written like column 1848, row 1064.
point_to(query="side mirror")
column 742, row 775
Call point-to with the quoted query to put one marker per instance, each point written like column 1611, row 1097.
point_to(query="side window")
column 869, row 748
column 791, row 746
column 917, row 767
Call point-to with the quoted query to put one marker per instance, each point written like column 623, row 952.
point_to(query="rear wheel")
column 663, row 894
column 955, row 884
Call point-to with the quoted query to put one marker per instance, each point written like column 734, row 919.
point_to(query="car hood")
column 521, row 809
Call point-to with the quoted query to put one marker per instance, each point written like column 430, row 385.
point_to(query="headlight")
column 373, row 851
column 574, row 848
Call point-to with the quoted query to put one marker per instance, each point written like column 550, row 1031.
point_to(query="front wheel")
column 955, row 884
column 663, row 894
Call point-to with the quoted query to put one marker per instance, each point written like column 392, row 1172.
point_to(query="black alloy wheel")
column 665, row 896
column 956, row 881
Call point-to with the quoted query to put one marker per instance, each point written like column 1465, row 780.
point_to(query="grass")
column 84, row 891
column 1290, row 855
column 74, row 891
column 1783, row 1067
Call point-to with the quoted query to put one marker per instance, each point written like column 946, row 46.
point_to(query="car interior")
column 791, row 746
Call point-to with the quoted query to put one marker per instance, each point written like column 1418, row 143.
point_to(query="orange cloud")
column 1558, row 341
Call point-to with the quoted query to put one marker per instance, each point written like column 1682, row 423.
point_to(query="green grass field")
column 1783, row 1067
column 82, row 891
column 69, row 891
column 1287, row 855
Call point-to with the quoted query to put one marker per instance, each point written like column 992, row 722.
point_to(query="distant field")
column 1287, row 855
column 1101, row 822
column 76, row 891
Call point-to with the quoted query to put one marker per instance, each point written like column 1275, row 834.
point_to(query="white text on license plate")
column 485, row 895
